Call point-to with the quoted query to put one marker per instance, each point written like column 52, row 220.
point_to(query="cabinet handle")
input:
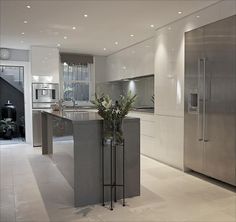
column 199, row 122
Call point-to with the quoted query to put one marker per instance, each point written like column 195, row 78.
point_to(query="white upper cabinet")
column 134, row 61
column 45, row 64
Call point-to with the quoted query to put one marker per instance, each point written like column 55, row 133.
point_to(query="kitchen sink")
column 76, row 111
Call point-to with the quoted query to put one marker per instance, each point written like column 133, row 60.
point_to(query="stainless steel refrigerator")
column 210, row 100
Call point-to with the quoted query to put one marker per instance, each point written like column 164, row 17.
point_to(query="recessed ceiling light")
column 65, row 37
column 116, row 43
column 104, row 49
column 74, row 28
column 28, row 6
column 22, row 33
column 85, row 15
column 132, row 35
column 180, row 12
column 152, row 26
column 58, row 45
column 198, row 16
column 25, row 22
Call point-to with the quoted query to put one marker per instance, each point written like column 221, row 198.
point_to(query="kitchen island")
column 79, row 157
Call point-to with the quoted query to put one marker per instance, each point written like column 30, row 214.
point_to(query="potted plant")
column 113, row 114
column 7, row 128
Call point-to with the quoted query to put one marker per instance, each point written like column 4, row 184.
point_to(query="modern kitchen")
column 118, row 110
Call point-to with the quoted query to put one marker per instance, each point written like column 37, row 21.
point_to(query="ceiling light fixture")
column 65, row 37
column 104, row 49
column 74, row 28
column 25, row 22
column 85, row 15
column 58, row 45
column 198, row 16
column 132, row 35
column 180, row 12
column 22, row 33
column 152, row 26
column 116, row 43
column 28, row 6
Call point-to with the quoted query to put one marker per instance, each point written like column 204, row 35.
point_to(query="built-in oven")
column 44, row 94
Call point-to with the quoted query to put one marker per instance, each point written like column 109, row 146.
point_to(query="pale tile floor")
column 31, row 183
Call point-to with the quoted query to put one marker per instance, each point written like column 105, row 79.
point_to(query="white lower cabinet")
column 147, row 132
column 161, row 137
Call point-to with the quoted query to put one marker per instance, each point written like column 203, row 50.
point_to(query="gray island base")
column 78, row 157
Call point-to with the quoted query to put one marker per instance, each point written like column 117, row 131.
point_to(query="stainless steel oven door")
column 45, row 93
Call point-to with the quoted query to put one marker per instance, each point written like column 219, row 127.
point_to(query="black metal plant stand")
column 113, row 168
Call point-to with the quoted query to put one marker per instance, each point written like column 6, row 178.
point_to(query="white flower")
column 106, row 104
column 117, row 111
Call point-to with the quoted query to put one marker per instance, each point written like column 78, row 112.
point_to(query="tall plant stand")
column 113, row 171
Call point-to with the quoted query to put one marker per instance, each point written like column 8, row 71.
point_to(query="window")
column 77, row 82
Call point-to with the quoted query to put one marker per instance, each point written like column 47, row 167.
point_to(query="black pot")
column 9, row 111
column 8, row 134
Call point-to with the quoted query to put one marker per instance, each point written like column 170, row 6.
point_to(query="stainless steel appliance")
column 210, row 100
column 44, row 94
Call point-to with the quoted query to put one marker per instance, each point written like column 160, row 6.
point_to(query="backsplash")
column 143, row 87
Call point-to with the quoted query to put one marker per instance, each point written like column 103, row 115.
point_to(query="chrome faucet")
column 61, row 105
column 73, row 102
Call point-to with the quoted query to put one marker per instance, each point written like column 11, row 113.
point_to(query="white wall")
column 100, row 68
column 27, row 95
column 162, row 134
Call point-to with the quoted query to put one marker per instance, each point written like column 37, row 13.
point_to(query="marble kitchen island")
column 79, row 157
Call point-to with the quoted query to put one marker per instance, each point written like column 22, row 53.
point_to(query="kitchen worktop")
column 78, row 115
column 75, row 115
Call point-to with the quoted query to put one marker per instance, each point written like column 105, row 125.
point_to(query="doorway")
column 12, row 111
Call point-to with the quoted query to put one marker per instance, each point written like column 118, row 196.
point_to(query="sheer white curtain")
column 77, row 82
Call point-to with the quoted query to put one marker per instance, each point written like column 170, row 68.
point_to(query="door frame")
column 27, row 95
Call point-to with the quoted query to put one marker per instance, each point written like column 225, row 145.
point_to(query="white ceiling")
column 108, row 21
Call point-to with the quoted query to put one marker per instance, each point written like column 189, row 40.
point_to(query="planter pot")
column 113, row 130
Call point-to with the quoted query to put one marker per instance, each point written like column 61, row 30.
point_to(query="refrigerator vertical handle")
column 199, row 122
column 204, row 103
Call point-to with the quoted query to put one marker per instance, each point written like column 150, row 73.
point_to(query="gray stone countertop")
column 79, row 116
